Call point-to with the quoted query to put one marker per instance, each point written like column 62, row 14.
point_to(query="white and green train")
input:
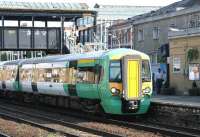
column 118, row 81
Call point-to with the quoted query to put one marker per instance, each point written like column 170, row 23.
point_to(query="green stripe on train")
column 17, row 86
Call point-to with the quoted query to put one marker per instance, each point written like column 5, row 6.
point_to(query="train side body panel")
column 26, row 86
column 51, row 88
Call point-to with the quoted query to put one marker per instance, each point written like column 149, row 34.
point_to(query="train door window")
column 87, row 75
column 64, row 75
column 72, row 75
column 115, row 71
column 13, row 73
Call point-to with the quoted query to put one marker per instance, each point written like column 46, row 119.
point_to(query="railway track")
column 11, row 114
column 151, row 127
column 161, row 128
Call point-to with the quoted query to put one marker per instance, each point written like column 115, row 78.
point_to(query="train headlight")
column 147, row 90
column 115, row 91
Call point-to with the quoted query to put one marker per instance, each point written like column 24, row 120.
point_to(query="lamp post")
column 114, row 37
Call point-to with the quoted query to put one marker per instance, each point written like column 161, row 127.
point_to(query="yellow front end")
column 133, row 79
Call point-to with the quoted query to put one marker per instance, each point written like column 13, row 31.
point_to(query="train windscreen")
column 146, row 73
column 115, row 71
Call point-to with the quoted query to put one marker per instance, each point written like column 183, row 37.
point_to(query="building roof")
column 172, row 8
column 16, row 5
column 115, row 12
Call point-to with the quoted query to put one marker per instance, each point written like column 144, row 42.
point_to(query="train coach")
column 118, row 81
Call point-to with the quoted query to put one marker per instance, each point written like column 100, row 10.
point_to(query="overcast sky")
column 115, row 2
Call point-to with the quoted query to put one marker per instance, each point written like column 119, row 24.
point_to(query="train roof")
column 14, row 62
column 68, row 57
column 113, row 54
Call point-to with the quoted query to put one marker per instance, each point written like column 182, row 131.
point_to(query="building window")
column 140, row 35
column 176, row 65
column 194, row 71
column 194, row 21
column 155, row 33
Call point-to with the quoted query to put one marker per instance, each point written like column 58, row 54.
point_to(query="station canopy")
column 32, row 37
column 42, row 5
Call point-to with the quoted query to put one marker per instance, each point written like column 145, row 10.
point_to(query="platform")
column 187, row 101
column 176, row 110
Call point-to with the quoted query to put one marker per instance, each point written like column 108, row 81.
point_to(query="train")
column 117, row 81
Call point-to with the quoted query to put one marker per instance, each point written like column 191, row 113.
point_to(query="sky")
column 114, row 2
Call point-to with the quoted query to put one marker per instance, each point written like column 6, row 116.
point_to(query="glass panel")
column 40, row 40
column 10, row 23
column 39, row 24
column 54, row 24
column 54, row 38
column 146, row 73
column 25, row 23
column 87, row 75
column 25, row 38
column 60, row 75
column 115, row 71
column 11, row 73
column 26, row 75
column 10, row 38
column 44, row 75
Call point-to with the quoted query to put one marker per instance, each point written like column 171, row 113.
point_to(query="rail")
column 57, row 121
column 151, row 127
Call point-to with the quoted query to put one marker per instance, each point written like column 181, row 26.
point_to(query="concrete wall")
column 179, row 48
column 150, row 45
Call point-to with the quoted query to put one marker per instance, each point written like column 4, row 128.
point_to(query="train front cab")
column 130, row 85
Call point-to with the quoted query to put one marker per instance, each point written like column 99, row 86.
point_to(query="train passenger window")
column 41, row 74
column 87, row 75
column 47, row 76
column 115, row 71
column 25, row 74
column 57, row 75
column 1, row 74
column 146, row 73
column 10, row 73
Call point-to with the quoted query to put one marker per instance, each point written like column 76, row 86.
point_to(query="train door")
column 132, row 77
column 87, row 78
column 34, row 78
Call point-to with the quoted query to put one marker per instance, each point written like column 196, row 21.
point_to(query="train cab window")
column 115, row 71
column 146, row 73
